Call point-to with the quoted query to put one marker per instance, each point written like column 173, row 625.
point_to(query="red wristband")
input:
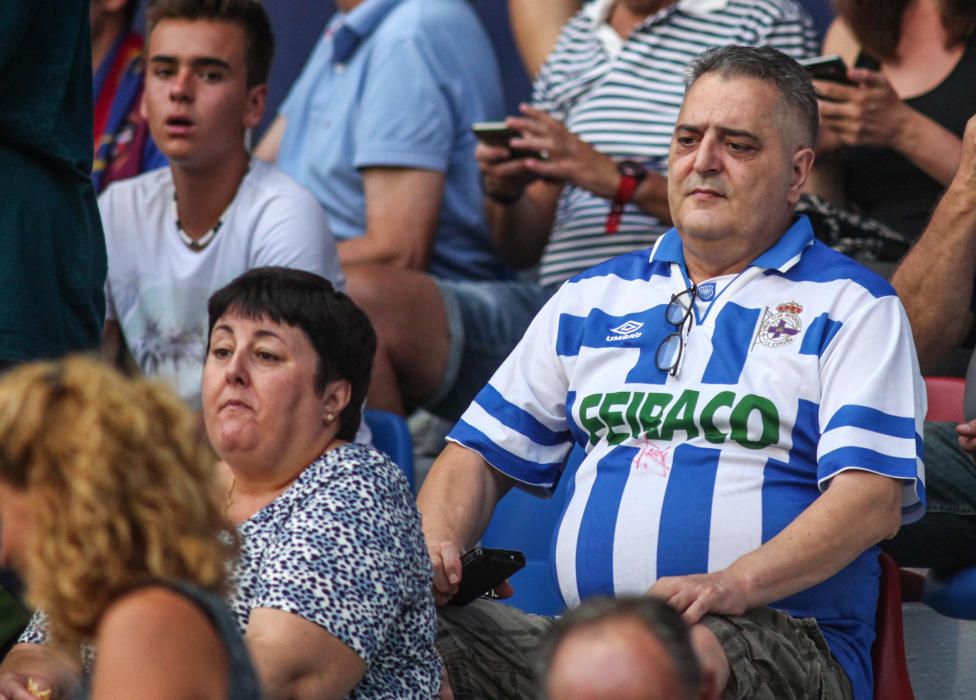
column 632, row 174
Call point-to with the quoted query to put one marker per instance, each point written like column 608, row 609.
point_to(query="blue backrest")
column 392, row 436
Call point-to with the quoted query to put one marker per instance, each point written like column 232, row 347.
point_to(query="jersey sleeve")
column 873, row 402
column 343, row 558
column 518, row 422
column 293, row 231
column 406, row 118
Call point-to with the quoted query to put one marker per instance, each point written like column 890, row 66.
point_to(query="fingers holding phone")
column 445, row 558
column 503, row 167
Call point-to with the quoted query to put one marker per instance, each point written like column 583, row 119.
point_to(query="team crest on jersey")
column 626, row 331
column 780, row 328
column 706, row 291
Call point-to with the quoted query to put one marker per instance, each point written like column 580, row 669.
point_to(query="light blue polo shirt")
column 398, row 83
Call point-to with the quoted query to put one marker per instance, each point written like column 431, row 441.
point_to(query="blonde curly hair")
column 120, row 486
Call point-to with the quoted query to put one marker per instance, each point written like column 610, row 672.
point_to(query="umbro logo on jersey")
column 626, row 331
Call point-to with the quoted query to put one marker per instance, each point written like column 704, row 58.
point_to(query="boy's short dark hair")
column 248, row 14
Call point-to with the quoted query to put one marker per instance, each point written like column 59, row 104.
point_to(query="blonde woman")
column 107, row 512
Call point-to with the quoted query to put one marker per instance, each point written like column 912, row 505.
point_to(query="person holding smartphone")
column 890, row 142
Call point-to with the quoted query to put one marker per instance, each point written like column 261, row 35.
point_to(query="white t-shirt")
column 157, row 287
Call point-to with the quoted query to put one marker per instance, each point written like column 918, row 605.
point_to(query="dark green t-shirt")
column 52, row 251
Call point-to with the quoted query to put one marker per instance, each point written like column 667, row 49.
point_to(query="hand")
column 567, row 157
column 502, row 175
column 967, row 436
column 445, row 557
column 13, row 686
column 866, row 114
column 697, row 594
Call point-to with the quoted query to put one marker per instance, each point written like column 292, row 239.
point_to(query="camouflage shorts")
column 488, row 649
column 773, row 656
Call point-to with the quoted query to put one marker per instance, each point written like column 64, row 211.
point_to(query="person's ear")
column 257, row 97
column 802, row 165
column 335, row 398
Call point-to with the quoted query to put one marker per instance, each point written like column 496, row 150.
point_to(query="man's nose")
column 708, row 157
column 181, row 89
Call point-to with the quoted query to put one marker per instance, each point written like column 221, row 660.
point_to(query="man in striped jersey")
column 748, row 400
column 603, row 109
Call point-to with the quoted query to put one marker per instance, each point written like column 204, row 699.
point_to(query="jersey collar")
column 783, row 254
column 349, row 29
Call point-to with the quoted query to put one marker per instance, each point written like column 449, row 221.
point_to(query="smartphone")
column 499, row 135
column 482, row 569
column 830, row 68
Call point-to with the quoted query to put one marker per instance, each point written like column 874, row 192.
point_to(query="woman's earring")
column 329, row 418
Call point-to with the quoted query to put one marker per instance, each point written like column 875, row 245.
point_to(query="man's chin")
column 705, row 228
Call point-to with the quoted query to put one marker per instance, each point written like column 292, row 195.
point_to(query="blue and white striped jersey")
column 626, row 106
column 801, row 367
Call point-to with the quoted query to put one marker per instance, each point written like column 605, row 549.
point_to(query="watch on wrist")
column 632, row 173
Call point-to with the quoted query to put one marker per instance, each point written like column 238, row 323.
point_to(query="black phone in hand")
column 483, row 569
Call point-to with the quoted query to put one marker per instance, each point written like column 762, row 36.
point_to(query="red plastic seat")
column 891, row 681
column 945, row 398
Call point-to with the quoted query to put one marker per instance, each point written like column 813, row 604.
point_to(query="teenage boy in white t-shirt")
column 177, row 234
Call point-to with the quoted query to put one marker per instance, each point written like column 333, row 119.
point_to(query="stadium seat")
column 945, row 398
column 527, row 523
column 891, row 681
column 392, row 436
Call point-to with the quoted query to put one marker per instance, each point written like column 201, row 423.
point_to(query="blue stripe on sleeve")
column 519, row 419
column 818, row 335
column 734, row 329
column 528, row 471
column 686, row 515
column 594, row 546
column 874, row 420
column 862, row 457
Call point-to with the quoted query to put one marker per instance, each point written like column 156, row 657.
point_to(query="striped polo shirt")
column 801, row 367
column 624, row 100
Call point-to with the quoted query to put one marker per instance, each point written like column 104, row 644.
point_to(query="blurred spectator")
column 105, row 495
column 378, row 127
column 123, row 146
column 536, row 25
column 894, row 134
column 332, row 587
column 52, row 266
column 604, row 107
column 627, row 648
column 177, row 234
column 936, row 283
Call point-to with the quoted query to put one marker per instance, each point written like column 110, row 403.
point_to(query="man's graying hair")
column 767, row 64
column 661, row 621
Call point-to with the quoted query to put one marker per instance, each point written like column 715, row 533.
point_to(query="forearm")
column 459, row 496
column 652, row 197
column 929, row 145
column 821, row 540
column 536, row 26
column 370, row 250
column 935, row 280
column 520, row 230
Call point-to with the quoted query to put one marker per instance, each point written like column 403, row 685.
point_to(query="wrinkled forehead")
column 741, row 104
